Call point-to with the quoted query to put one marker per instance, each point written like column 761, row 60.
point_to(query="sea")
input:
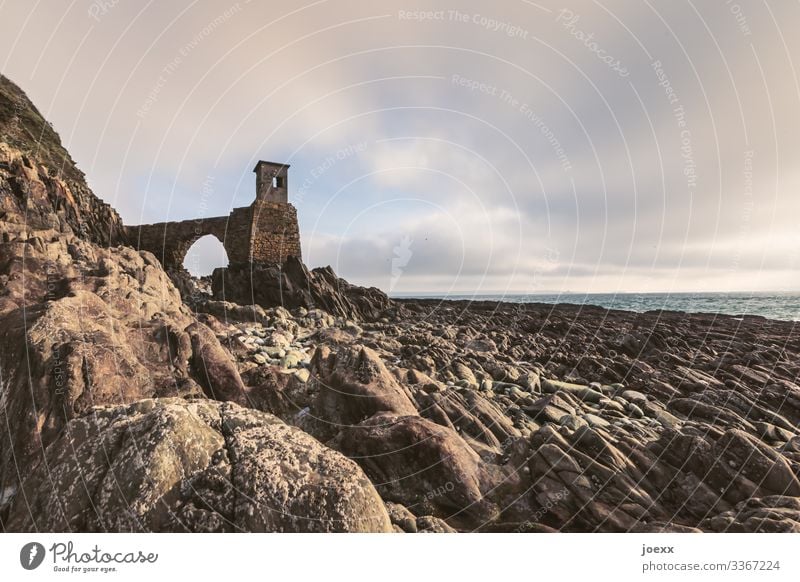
column 774, row 305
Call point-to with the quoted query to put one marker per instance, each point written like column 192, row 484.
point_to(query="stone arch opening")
column 205, row 254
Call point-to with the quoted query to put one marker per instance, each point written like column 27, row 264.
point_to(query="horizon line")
column 554, row 292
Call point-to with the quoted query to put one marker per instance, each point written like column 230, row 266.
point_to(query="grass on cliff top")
column 24, row 128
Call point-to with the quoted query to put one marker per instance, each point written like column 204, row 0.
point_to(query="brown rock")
column 173, row 465
column 748, row 457
column 293, row 285
column 214, row 366
column 426, row 467
column 82, row 326
column 353, row 384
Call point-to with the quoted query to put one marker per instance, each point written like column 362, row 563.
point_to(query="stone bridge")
column 265, row 232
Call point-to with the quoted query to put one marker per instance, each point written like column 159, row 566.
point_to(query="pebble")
column 596, row 422
column 572, row 422
column 635, row 411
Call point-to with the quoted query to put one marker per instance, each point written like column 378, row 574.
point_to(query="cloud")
column 493, row 151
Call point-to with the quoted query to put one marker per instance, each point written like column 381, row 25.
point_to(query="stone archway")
column 266, row 232
column 170, row 241
column 204, row 255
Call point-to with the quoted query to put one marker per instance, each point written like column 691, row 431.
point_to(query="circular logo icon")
column 31, row 555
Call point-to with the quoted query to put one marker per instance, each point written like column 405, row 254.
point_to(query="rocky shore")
column 132, row 399
column 503, row 417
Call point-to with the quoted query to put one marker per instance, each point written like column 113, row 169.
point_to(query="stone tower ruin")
column 272, row 182
column 266, row 232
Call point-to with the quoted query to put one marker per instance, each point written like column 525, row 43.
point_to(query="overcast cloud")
column 517, row 146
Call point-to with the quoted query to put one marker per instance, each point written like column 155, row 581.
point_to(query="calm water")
column 784, row 306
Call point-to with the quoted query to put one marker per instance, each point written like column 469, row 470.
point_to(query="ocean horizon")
column 778, row 305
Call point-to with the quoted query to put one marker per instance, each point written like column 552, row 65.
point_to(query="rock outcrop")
column 41, row 188
column 81, row 326
column 196, row 466
column 293, row 285
column 493, row 417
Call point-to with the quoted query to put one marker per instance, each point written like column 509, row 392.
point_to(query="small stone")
column 572, row 422
column 583, row 392
column 635, row 411
column 351, row 327
column 292, row 359
column 532, row 382
column 634, row 396
column 596, row 422
column 431, row 388
column 607, row 404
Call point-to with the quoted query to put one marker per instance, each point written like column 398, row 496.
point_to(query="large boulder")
column 214, row 365
column 177, row 465
column 81, row 326
column 745, row 458
column 424, row 466
column 353, row 384
column 293, row 285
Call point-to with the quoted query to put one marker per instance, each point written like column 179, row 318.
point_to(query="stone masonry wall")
column 170, row 241
column 265, row 232
column 276, row 234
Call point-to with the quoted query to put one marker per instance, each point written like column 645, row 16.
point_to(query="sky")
column 512, row 147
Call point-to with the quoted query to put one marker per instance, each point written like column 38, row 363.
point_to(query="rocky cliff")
column 293, row 285
column 41, row 188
